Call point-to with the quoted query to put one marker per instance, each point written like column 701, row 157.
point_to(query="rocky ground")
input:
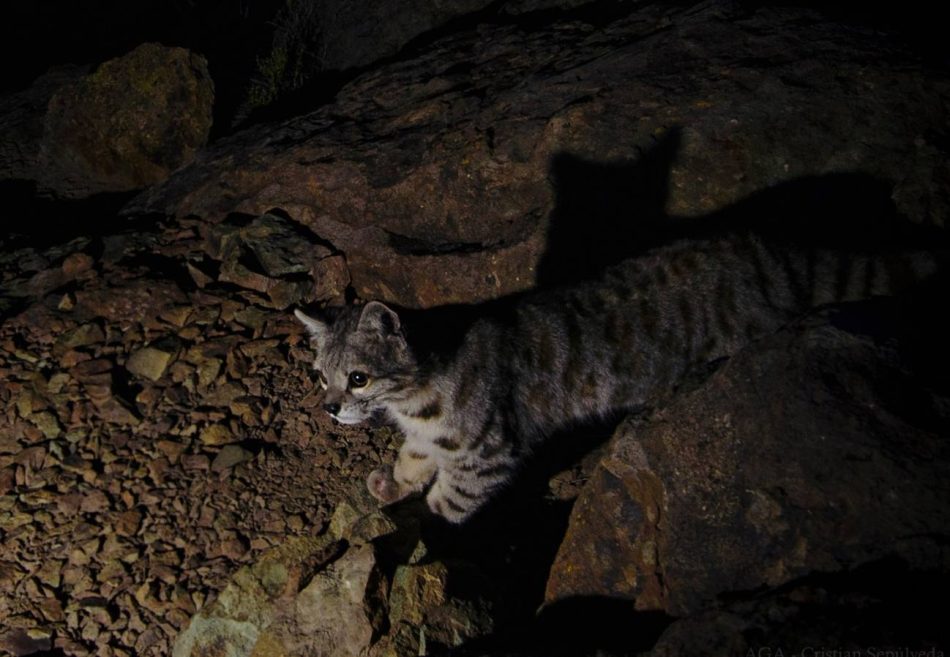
column 155, row 436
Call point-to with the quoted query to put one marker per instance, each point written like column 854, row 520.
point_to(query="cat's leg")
column 464, row 483
column 413, row 470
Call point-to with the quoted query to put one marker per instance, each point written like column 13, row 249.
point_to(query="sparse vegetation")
column 294, row 55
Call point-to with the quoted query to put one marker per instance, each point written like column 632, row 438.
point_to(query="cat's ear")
column 318, row 329
column 379, row 318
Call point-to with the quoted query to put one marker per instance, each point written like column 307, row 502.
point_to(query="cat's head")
column 362, row 360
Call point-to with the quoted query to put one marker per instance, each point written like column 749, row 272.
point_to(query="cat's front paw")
column 382, row 486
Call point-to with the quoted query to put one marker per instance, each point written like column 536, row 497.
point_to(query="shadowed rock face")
column 438, row 176
column 815, row 450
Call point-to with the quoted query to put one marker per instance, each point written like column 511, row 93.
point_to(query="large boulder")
column 444, row 176
column 121, row 127
column 818, row 449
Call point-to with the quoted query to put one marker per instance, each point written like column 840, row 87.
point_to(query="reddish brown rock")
column 438, row 177
column 806, row 452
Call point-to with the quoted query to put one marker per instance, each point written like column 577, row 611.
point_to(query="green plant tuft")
column 294, row 55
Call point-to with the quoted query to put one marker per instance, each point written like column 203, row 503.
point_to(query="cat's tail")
column 850, row 277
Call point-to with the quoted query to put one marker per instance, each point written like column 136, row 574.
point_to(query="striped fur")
column 615, row 344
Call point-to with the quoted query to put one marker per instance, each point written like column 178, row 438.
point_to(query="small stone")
column 200, row 278
column 284, row 294
column 170, row 449
column 37, row 497
column 247, row 409
column 259, row 348
column 280, row 246
column 7, row 480
column 149, row 397
column 27, row 402
column 223, row 394
column 216, row 434
column 237, row 365
column 112, row 570
column 47, row 423
column 90, row 631
column 232, row 548
column 92, row 370
column 208, row 314
column 234, row 272
column 157, row 469
column 194, row 461
column 229, row 309
column 177, row 315
column 251, row 317
column 128, row 523
column 69, row 503
column 76, row 558
column 295, row 523
column 77, row 263
column 52, row 610
column 31, row 456
column 181, row 373
column 331, row 277
column 68, row 302
column 149, row 363
column 166, row 558
column 94, row 501
column 50, row 573
column 26, row 356
column 81, row 336
column 190, row 333
column 208, row 371
column 415, row 590
column 142, row 593
column 229, row 456
column 358, row 518
column 273, row 576
column 116, row 412
column 72, row 358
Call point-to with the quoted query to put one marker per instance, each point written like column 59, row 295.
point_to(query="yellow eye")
column 358, row 379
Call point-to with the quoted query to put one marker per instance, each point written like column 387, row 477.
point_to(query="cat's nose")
column 332, row 408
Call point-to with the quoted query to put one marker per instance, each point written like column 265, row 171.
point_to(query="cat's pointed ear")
column 379, row 318
column 318, row 329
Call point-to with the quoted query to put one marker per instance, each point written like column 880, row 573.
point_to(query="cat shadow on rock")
column 606, row 212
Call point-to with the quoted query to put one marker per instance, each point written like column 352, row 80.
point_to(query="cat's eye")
column 358, row 379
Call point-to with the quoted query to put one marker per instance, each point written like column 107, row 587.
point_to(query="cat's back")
column 629, row 336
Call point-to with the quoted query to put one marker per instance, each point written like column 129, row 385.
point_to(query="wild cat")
column 470, row 416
